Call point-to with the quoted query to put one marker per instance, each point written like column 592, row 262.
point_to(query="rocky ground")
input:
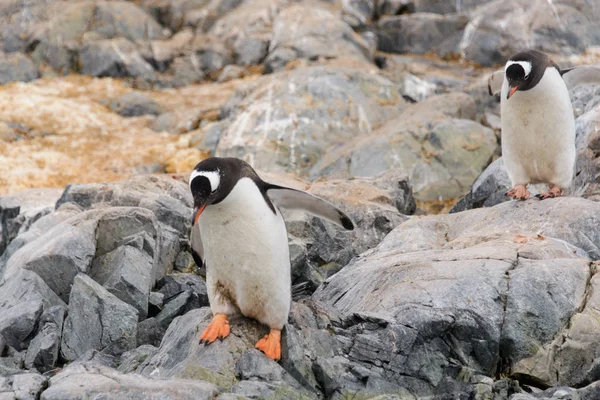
column 380, row 106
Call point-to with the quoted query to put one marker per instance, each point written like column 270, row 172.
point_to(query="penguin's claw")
column 217, row 329
column 554, row 191
column 270, row 344
column 519, row 192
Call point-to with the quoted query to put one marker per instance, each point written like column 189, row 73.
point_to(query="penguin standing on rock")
column 240, row 235
column 538, row 127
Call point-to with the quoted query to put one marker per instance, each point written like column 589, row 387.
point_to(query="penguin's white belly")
column 538, row 132
column 247, row 256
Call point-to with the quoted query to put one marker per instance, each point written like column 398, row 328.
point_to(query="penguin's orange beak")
column 511, row 91
column 198, row 212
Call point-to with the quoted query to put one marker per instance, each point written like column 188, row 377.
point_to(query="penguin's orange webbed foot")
column 519, row 192
column 218, row 328
column 270, row 344
column 554, row 191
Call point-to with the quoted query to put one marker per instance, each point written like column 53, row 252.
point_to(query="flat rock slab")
column 106, row 383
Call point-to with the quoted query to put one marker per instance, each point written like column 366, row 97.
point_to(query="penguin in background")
column 538, row 126
column 240, row 235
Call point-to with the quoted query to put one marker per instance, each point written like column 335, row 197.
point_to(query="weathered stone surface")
column 26, row 286
column 22, row 209
column 126, row 272
column 17, row 67
column 298, row 31
column 22, row 386
column 100, row 382
column 42, row 353
column 421, row 33
column 132, row 359
column 134, row 104
column 58, row 255
column 262, row 131
column 168, row 199
column 523, row 246
column 150, row 331
column 434, row 142
column 559, row 27
column 19, row 322
column 114, row 57
column 97, row 320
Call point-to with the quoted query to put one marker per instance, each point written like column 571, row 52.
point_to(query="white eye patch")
column 526, row 65
column 213, row 177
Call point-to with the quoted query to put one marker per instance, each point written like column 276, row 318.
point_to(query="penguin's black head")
column 213, row 179
column 524, row 70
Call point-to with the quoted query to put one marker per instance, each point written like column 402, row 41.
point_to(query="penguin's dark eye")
column 213, row 177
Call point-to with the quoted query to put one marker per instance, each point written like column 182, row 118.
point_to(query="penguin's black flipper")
column 293, row 199
column 495, row 82
column 196, row 245
column 583, row 75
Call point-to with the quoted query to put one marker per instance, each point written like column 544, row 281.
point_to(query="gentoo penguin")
column 240, row 235
column 538, row 127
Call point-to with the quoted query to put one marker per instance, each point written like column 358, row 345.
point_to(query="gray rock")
column 564, row 28
column 126, row 272
column 250, row 51
column 404, row 33
column 134, row 104
column 320, row 97
column 96, row 357
column 178, row 305
column 318, row 249
column 516, row 252
column 114, row 57
column 182, row 356
column 22, row 386
column 100, row 382
column 156, row 300
column 32, row 227
column 58, row 255
column 9, row 210
column 264, row 390
column 169, row 200
column 150, row 331
column 132, row 359
column 358, row 13
column 97, row 320
column 231, row 72
column 210, row 55
column 20, row 210
column 488, row 190
column 172, row 285
column 446, row 7
column 26, row 286
column 184, row 262
column 434, row 142
column 298, row 30
column 19, row 322
column 125, row 19
column 42, row 353
column 17, row 67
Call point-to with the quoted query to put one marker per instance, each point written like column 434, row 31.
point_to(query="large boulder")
column 488, row 289
column 435, row 142
column 97, row 320
column 298, row 33
column 331, row 104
